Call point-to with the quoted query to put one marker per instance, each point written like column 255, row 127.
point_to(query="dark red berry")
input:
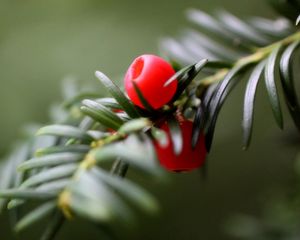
column 150, row 73
column 189, row 158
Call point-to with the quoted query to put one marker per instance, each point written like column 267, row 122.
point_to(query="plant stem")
column 119, row 168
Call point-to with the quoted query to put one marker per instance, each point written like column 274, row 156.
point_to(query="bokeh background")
column 42, row 42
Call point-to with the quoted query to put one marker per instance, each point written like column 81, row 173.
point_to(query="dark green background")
column 42, row 42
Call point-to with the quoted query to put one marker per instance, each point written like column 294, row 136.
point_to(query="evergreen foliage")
column 76, row 167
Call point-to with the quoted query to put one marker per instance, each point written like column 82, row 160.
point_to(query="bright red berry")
column 150, row 73
column 189, row 158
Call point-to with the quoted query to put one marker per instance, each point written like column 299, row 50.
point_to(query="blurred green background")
column 42, row 42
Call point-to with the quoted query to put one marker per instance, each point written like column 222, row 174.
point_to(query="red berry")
column 150, row 73
column 189, row 158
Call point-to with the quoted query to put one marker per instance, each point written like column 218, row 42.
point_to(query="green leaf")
column 242, row 29
column 51, row 160
column 160, row 136
column 132, row 151
column 211, row 25
column 26, row 194
column 222, row 52
column 93, row 209
column 92, row 199
column 119, row 168
column 208, row 95
column 208, row 22
column 298, row 20
column 141, row 97
column 49, row 175
column 176, row 135
column 35, row 215
column 115, row 91
column 65, row 131
column 86, row 123
column 287, row 80
column 130, row 190
column 15, row 203
column 98, row 134
column 192, row 73
column 249, row 102
column 56, row 185
column 123, row 116
column 6, row 179
column 222, row 91
column 179, row 74
column 196, row 50
column 9, row 178
column 109, row 103
column 134, row 125
column 176, row 51
column 136, row 159
column 271, row 86
column 101, row 114
column 189, row 76
column 198, row 125
column 286, row 72
column 54, row 226
column 278, row 28
column 62, row 149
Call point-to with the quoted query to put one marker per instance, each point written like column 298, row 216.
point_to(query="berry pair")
column 150, row 73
